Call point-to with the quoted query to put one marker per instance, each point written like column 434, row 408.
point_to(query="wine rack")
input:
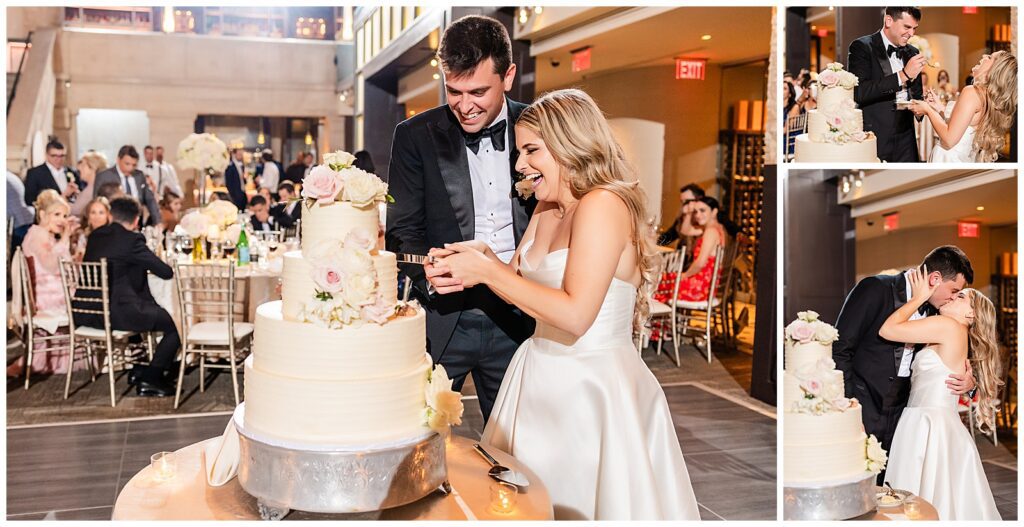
column 1005, row 286
column 743, row 174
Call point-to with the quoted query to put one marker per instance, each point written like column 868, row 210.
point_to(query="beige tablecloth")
column 188, row 497
column 254, row 286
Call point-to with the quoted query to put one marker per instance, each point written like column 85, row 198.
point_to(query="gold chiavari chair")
column 29, row 319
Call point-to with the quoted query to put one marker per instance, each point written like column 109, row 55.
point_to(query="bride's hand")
column 476, row 245
column 933, row 100
column 467, row 265
column 920, row 289
column 919, row 107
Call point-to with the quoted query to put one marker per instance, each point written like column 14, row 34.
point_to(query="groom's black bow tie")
column 924, row 310
column 496, row 132
column 899, row 51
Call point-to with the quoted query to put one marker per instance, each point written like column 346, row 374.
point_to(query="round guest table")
column 927, row 512
column 188, row 497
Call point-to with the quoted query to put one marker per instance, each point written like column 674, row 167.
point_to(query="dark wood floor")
column 75, row 471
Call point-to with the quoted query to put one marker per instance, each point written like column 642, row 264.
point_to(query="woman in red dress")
column 695, row 283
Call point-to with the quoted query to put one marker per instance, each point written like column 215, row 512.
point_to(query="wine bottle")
column 242, row 249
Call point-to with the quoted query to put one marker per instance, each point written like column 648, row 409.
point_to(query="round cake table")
column 188, row 497
column 927, row 512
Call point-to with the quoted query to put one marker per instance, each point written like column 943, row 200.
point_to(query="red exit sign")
column 891, row 221
column 692, row 69
column 970, row 10
column 581, row 60
column 968, row 229
column 822, row 33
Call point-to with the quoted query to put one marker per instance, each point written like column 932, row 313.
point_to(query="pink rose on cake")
column 378, row 312
column 811, row 386
column 329, row 278
column 828, row 78
column 800, row 331
column 322, row 184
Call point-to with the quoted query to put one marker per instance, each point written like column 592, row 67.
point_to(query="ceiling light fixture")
column 705, row 37
column 980, row 208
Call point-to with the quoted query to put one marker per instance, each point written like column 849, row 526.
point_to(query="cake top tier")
column 337, row 179
column 834, row 76
column 808, row 328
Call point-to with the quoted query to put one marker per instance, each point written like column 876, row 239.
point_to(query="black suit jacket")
column 271, row 222
column 39, row 178
column 147, row 197
column 875, row 94
column 430, row 182
column 870, row 363
column 280, row 213
column 128, row 260
column 236, row 188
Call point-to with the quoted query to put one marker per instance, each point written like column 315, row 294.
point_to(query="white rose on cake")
column 378, row 312
column 355, row 261
column 360, row 290
column 362, row 188
column 361, row 238
column 339, row 159
column 875, row 454
column 444, row 406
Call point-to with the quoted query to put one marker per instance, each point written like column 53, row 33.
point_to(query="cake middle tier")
column 817, row 126
column 385, row 408
column 309, row 351
column 791, row 391
column 298, row 287
column 827, row 447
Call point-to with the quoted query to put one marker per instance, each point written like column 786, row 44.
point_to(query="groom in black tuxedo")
column 451, row 178
column 877, row 371
column 889, row 70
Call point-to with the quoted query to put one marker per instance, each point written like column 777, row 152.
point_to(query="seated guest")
column 170, row 210
column 97, row 215
column 19, row 215
column 110, row 191
column 289, row 207
column 133, row 181
column 261, row 219
column 52, row 174
column 267, row 195
column 695, row 283
column 683, row 227
column 92, row 163
column 45, row 244
column 132, row 307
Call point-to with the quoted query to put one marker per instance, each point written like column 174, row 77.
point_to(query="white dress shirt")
column 59, row 175
column 908, row 349
column 271, row 177
column 896, row 63
column 167, row 179
column 133, row 188
column 491, row 178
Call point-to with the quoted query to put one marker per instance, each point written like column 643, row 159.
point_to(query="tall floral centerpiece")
column 214, row 222
column 206, row 154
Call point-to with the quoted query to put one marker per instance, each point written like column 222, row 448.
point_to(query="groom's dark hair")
column 949, row 261
column 897, row 12
column 471, row 40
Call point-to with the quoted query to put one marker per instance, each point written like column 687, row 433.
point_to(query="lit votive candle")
column 503, row 497
column 164, row 465
column 912, row 508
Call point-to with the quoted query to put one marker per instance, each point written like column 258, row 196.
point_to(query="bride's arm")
column 601, row 228
column 966, row 106
column 899, row 328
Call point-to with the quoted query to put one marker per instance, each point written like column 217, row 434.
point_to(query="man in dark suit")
column 451, row 178
column 132, row 307
column 261, row 219
column 133, row 181
column 289, row 208
column 877, row 371
column 233, row 179
column 52, row 174
column 889, row 70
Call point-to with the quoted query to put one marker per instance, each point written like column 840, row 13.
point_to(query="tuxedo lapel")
column 453, row 164
column 878, row 47
column 520, row 217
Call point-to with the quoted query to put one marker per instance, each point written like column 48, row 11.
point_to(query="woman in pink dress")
column 695, row 284
column 45, row 244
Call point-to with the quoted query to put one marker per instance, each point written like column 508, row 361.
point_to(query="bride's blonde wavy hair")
column 999, row 105
column 581, row 142
column 983, row 352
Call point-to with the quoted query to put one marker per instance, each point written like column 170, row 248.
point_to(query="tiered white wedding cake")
column 835, row 130
column 339, row 364
column 824, row 444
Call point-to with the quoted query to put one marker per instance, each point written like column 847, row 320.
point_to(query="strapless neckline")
column 524, row 262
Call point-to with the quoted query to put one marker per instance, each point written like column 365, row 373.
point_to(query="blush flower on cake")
column 336, row 180
column 444, row 405
column 808, row 328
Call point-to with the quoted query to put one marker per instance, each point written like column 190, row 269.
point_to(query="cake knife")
column 419, row 259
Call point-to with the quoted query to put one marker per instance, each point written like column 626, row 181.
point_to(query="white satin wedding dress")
column 933, row 454
column 962, row 151
column 589, row 418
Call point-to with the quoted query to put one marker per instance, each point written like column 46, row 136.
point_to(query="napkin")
column 222, row 455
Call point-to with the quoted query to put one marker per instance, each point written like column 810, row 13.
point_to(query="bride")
column 932, row 454
column 577, row 404
column 976, row 129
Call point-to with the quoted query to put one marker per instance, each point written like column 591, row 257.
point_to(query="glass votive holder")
column 912, row 508
column 503, row 497
column 164, row 465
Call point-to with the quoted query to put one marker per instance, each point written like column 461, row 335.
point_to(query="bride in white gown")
column 577, row 404
column 932, row 454
column 981, row 116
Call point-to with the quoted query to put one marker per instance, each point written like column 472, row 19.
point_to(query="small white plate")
column 896, row 501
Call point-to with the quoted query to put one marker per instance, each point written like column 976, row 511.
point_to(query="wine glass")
column 228, row 248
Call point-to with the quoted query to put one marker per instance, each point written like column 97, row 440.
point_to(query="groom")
column 889, row 70
column 451, row 178
column 877, row 371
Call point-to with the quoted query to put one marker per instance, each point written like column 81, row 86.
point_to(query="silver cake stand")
column 314, row 478
column 830, row 501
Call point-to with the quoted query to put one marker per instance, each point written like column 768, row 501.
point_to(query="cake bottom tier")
column 819, row 448
column 808, row 151
column 350, row 412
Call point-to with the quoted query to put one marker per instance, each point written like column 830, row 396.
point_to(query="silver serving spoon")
column 502, row 473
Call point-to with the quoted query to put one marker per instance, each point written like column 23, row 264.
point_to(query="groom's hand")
column 439, row 276
column 961, row 384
